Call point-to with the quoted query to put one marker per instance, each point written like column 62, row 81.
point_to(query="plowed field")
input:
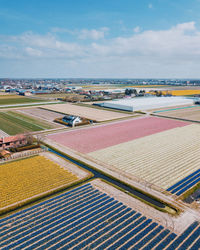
column 90, row 113
column 188, row 113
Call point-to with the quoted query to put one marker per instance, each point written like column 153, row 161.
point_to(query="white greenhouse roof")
column 145, row 103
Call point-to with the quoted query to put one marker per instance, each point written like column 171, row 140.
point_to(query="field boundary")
column 22, row 155
column 48, row 193
column 172, row 109
column 174, row 118
column 83, row 162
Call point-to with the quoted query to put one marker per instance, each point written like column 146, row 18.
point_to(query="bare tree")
column 29, row 138
column 39, row 138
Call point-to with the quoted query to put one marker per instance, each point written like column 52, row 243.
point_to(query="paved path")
column 3, row 134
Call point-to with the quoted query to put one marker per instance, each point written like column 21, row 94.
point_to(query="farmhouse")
column 12, row 141
column 72, row 120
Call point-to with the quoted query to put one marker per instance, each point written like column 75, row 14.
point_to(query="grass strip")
column 18, row 100
column 190, row 191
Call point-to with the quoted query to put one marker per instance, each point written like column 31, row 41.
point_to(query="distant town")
column 59, row 84
column 93, row 89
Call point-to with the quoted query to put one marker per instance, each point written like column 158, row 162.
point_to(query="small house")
column 72, row 120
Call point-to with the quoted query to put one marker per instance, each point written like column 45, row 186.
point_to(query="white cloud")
column 151, row 53
column 33, row 52
column 190, row 26
column 9, row 52
column 93, row 34
column 163, row 44
column 47, row 45
column 136, row 29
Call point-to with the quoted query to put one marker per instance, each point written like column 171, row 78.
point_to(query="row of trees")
column 134, row 92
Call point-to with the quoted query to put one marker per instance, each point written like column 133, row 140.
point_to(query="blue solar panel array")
column 185, row 184
column 88, row 218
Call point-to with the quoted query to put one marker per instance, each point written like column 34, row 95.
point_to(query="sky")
column 99, row 39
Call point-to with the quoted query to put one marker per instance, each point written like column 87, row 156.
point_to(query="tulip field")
column 87, row 218
column 24, row 179
column 90, row 139
column 182, row 92
column 162, row 159
column 161, row 151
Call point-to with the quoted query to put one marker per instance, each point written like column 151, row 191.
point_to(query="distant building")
column 12, row 142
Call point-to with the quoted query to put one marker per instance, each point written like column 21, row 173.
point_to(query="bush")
column 27, row 147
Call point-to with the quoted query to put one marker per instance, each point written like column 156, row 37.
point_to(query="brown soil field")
column 41, row 114
column 87, row 112
column 172, row 107
column 192, row 114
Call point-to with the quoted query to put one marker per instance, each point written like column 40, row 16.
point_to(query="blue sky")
column 93, row 38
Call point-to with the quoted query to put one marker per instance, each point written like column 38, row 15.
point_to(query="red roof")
column 13, row 138
column 4, row 153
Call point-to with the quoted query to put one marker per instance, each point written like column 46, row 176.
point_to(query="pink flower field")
column 86, row 140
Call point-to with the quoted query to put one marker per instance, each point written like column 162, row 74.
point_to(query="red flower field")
column 86, row 140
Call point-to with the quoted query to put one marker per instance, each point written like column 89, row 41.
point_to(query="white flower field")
column 162, row 159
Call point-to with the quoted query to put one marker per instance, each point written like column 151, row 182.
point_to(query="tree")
column 39, row 139
column 130, row 91
column 29, row 138
column 158, row 93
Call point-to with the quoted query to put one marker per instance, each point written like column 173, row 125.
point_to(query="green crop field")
column 14, row 123
column 57, row 95
column 11, row 100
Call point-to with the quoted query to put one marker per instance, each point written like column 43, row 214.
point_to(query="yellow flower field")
column 21, row 180
column 182, row 92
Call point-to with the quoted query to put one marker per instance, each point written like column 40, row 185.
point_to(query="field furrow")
column 162, row 159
